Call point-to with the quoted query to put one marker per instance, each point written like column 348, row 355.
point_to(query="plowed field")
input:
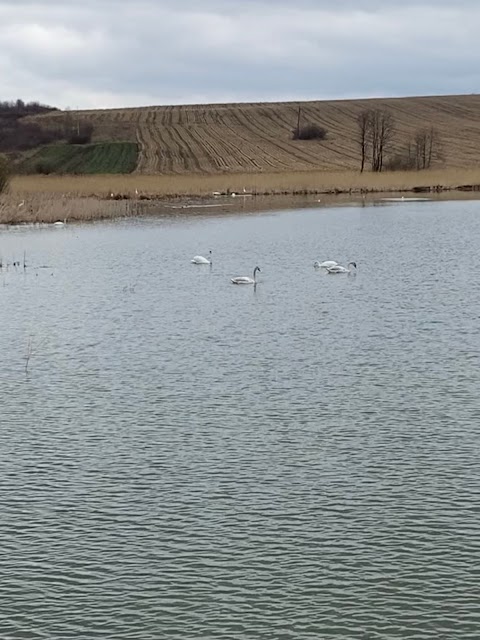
column 252, row 138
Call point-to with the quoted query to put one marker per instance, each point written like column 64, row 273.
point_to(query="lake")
column 184, row 458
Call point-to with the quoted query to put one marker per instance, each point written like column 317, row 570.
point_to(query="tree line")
column 15, row 109
column 20, row 136
column 376, row 137
column 17, row 135
column 377, row 140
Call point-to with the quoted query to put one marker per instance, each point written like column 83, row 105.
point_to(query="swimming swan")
column 325, row 265
column 202, row 260
column 339, row 269
column 246, row 279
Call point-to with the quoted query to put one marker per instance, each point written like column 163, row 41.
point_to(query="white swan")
column 202, row 260
column 60, row 223
column 339, row 269
column 246, row 279
column 325, row 265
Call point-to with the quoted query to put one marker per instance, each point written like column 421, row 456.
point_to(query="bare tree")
column 375, row 132
column 363, row 121
column 382, row 127
column 426, row 141
column 419, row 153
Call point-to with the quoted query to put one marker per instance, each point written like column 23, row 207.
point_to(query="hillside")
column 235, row 138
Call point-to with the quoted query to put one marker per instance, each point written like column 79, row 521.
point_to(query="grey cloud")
column 234, row 6
column 113, row 53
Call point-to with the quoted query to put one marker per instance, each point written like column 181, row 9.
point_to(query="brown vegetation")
column 37, row 199
column 252, row 138
column 4, row 173
column 40, row 199
column 48, row 208
column 172, row 186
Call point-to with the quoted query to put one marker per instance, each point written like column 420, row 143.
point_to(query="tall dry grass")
column 52, row 198
column 50, row 207
column 172, row 186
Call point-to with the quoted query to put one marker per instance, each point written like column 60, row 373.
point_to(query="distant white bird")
column 202, row 260
column 59, row 223
column 21, row 204
column 246, row 279
column 325, row 265
column 339, row 269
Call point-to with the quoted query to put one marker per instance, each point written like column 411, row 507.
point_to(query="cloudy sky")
column 108, row 53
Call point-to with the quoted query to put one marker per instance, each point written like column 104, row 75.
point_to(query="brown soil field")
column 253, row 138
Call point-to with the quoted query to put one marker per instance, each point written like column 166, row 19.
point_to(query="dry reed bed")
column 47, row 199
column 171, row 186
column 48, row 208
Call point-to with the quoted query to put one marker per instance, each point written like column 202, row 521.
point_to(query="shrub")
column 79, row 139
column 4, row 173
column 310, row 132
column 43, row 167
column 402, row 161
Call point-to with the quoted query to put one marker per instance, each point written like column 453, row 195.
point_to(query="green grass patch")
column 105, row 157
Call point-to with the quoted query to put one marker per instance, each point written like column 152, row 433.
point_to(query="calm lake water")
column 190, row 459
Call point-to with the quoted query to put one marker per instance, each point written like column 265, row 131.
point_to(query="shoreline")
column 47, row 199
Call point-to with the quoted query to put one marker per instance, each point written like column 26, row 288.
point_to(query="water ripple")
column 187, row 460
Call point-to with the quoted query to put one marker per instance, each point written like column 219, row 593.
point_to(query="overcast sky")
column 111, row 53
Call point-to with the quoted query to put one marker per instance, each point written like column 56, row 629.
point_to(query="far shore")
column 38, row 199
